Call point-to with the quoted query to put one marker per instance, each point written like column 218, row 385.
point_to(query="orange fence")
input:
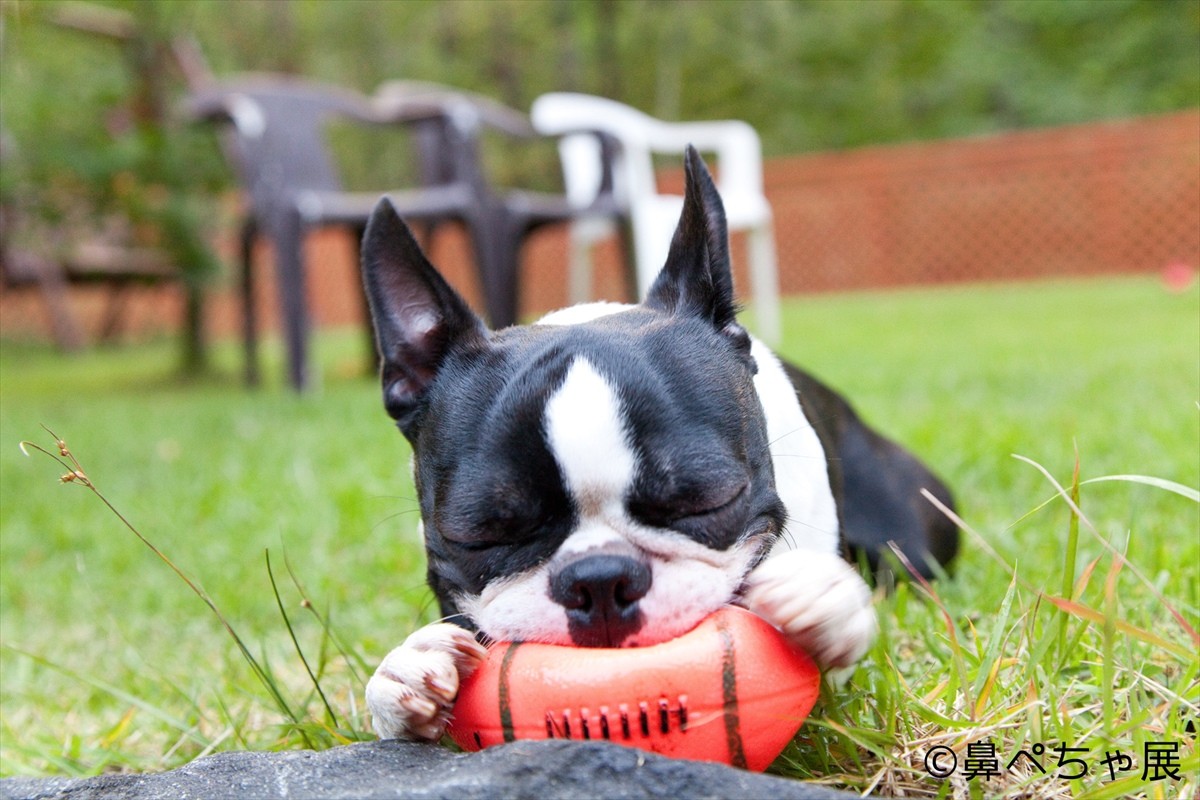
column 1116, row 197
column 1081, row 200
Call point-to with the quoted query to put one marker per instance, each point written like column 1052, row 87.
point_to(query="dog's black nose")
column 601, row 594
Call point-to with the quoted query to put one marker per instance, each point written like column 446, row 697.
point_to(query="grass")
column 109, row 662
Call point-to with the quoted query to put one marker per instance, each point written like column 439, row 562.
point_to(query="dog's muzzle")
column 600, row 593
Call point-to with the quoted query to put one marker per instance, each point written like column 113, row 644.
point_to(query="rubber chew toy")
column 731, row 690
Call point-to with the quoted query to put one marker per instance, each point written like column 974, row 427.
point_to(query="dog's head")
column 602, row 483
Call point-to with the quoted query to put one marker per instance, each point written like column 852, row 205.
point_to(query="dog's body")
column 613, row 474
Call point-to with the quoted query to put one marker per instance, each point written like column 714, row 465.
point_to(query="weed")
column 311, row 732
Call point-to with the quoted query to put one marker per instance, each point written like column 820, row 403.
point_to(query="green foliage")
column 99, row 155
column 808, row 75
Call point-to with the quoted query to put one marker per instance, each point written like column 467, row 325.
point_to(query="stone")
column 539, row 770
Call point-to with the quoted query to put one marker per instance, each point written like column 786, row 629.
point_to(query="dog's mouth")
column 615, row 596
column 618, row 619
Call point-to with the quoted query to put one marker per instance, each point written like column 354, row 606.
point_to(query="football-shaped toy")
column 731, row 690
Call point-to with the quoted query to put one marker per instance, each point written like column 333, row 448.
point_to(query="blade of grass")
column 1108, row 635
column 1084, row 579
column 996, row 639
column 1159, row 483
column 1069, row 559
column 1183, row 623
column 296, row 643
column 117, row 731
column 358, row 667
column 1098, row 617
column 234, row 726
column 960, row 668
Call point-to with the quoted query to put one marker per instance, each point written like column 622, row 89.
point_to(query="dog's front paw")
column 412, row 692
column 819, row 602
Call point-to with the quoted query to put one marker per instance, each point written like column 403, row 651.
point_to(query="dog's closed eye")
column 479, row 513
column 662, row 512
column 713, row 515
column 493, row 532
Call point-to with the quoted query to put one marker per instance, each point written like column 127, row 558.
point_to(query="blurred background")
column 904, row 142
column 987, row 228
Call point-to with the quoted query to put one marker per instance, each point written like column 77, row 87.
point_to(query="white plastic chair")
column 652, row 215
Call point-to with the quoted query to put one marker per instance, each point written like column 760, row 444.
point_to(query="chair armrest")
column 416, row 101
column 739, row 153
column 226, row 107
column 589, row 161
column 407, row 109
column 237, row 101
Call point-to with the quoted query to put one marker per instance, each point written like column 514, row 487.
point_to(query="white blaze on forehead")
column 586, row 435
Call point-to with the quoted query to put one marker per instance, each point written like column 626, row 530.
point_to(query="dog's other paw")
column 819, row 602
column 411, row 693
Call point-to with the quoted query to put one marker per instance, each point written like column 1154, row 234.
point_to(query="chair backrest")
column 279, row 126
column 652, row 216
column 736, row 144
column 446, row 124
column 449, row 125
column 561, row 113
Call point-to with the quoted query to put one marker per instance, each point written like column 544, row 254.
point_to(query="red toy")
column 731, row 690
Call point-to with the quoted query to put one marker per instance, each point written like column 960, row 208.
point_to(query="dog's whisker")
column 790, row 520
column 783, row 436
column 427, row 602
column 391, row 517
column 800, row 455
column 406, row 498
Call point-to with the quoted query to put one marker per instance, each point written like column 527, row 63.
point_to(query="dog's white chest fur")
column 801, row 474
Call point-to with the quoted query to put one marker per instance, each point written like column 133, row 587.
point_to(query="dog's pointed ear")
column 697, row 279
column 418, row 318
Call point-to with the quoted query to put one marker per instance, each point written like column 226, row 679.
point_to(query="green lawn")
column 110, row 662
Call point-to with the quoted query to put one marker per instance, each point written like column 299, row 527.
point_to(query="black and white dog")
column 613, row 474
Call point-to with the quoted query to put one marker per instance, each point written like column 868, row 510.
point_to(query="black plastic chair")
column 451, row 127
column 279, row 150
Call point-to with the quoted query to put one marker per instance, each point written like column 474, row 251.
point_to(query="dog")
column 611, row 475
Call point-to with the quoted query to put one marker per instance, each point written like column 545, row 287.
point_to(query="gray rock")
column 539, row 770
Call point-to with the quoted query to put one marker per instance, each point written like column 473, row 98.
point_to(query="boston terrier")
column 613, row 474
